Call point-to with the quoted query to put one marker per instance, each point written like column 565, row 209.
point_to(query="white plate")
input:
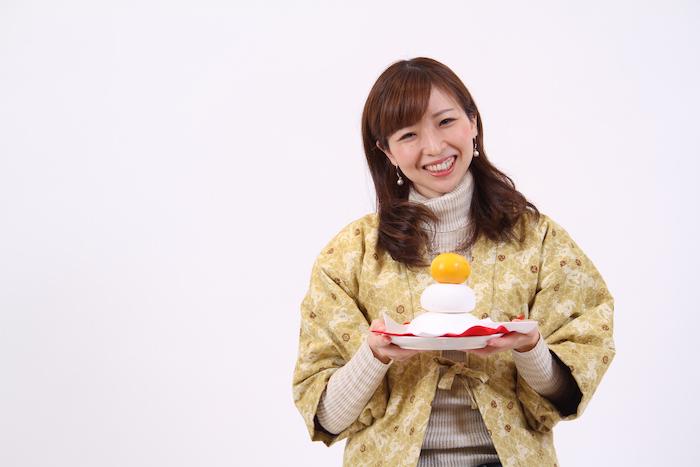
column 442, row 343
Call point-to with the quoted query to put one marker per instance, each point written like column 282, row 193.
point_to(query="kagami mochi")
column 447, row 303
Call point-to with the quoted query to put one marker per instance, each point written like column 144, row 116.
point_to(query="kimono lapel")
column 481, row 280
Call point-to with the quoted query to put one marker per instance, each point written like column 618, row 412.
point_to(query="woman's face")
column 435, row 153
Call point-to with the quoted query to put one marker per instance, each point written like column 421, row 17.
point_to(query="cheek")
column 468, row 133
column 407, row 158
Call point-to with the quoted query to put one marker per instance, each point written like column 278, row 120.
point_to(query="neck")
column 452, row 211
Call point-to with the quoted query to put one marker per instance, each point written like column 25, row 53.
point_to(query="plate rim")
column 428, row 340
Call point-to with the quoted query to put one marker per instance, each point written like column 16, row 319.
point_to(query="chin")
column 443, row 189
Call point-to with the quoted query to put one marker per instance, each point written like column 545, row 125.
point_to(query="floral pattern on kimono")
column 547, row 277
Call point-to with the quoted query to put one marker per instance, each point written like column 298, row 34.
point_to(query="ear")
column 473, row 120
column 388, row 154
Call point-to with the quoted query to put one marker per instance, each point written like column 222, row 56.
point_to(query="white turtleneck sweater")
column 456, row 433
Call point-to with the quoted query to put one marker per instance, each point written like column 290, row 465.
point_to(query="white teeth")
column 443, row 166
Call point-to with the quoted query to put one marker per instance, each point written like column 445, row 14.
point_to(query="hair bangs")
column 404, row 102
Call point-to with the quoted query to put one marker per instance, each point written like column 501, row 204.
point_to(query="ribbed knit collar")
column 452, row 211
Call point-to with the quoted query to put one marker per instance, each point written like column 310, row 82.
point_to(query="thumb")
column 377, row 325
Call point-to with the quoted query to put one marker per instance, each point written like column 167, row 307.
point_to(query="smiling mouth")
column 442, row 166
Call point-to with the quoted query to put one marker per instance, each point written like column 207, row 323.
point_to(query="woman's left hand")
column 512, row 341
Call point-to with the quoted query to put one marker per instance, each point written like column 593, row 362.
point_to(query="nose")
column 433, row 144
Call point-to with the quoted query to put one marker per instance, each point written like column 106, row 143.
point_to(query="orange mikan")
column 450, row 268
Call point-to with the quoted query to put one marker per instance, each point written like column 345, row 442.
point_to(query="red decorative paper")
column 472, row 331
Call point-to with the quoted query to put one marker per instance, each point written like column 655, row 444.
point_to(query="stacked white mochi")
column 448, row 303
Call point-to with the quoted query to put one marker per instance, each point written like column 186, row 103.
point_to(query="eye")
column 406, row 135
column 447, row 120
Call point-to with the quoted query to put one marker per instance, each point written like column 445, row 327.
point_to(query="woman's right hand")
column 381, row 345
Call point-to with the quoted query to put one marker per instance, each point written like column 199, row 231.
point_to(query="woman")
column 437, row 192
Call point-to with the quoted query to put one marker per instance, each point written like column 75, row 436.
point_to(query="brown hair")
column 399, row 99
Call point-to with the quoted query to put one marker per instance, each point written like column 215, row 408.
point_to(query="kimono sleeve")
column 333, row 327
column 575, row 313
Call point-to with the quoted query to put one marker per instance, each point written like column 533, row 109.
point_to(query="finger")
column 498, row 342
column 506, row 342
column 377, row 325
column 378, row 343
column 380, row 340
column 397, row 353
column 393, row 348
column 400, row 354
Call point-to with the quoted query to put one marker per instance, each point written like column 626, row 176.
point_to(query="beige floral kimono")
column 548, row 277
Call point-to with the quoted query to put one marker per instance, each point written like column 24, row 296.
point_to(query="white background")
column 169, row 171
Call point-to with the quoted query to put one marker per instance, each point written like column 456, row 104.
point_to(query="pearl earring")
column 476, row 151
column 399, row 182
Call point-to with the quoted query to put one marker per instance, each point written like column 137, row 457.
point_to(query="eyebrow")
column 441, row 112
column 436, row 114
